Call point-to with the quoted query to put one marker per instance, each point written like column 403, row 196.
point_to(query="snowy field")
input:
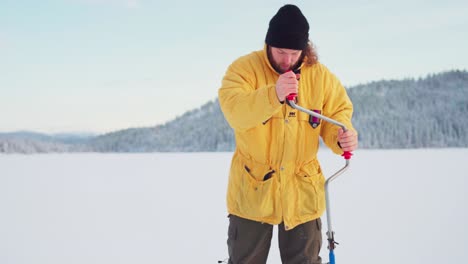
column 392, row 206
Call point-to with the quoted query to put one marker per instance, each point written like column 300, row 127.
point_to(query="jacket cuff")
column 333, row 144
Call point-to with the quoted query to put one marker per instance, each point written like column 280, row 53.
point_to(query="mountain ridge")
column 407, row 113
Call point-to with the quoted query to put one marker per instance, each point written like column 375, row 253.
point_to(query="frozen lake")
column 392, row 206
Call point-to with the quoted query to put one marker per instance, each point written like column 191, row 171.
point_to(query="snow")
column 392, row 206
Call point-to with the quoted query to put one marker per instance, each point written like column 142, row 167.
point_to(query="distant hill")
column 427, row 112
column 202, row 129
column 409, row 113
column 32, row 142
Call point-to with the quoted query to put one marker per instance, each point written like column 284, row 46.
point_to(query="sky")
column 104, row 65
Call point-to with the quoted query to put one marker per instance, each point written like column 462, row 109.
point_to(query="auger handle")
column 292, row 98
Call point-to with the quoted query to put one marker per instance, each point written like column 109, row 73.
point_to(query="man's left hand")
column 348, row 140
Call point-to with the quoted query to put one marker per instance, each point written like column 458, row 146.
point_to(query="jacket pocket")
column 312, row 121
column 256, row 195
column 310, row 189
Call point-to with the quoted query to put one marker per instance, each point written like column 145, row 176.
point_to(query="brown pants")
column 249, row 242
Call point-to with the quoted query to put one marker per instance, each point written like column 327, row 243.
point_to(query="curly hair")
column 310, row 52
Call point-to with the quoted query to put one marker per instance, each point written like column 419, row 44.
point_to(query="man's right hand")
column 287, row 84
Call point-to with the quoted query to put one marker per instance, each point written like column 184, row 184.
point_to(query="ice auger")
column 347, row 156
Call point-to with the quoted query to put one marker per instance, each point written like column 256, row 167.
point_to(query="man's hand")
column 348, row 140
column 287, row 84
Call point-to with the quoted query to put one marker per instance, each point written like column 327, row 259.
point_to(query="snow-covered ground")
column 393, row 206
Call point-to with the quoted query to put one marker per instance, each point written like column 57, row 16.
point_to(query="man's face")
column 284, row 60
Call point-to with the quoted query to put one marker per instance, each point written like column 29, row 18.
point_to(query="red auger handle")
column 347, row 155
column 291, row 97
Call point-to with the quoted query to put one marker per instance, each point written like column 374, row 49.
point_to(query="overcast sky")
column 104, row 65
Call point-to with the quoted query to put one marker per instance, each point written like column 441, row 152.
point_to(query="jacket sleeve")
column 337, row 106
column 243, row 105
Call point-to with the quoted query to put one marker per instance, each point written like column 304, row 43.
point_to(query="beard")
column 282, row 68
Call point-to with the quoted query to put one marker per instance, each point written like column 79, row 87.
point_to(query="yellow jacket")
column 275, row 175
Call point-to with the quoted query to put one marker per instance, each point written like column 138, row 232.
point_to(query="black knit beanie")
column 288, row 29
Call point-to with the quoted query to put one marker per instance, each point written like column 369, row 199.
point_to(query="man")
column 275, row 178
